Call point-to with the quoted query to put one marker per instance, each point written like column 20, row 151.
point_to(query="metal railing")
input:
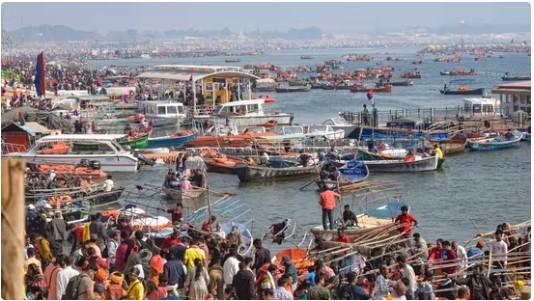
column 430, row 115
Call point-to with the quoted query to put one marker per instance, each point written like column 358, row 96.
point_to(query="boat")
column 72, row 148
column 495, row 143
column 290, row 89
column 418, row 165
column 228, row 136
column 411, row 75
column 306, row 57
column 456, row 72
column 296, row 132
column 243, row 113
column 90, row 170
column 176, row 140
column 286, row 170
column 350, row 173
column 508, row 77
column 386, row 88
column 161, row 113
column 264, row 85
column 341, row 124
column 386, row 154
column 246, row 237
column 403, row 83
column 235, row 60
column 224, row 164
column 187, row 198
column 135, row 140
column 462, row 90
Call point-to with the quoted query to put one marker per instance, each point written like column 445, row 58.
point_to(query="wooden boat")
column 350, row 174
column 420, row 164
column 138, row 140
column 227, row 164
column 262, row 172
column 448, row 146
column 289, row 89
column 186, row 197
column 175, row 140
column 495, row 143
column 462, row 91
column 383, row 89
column 298, row 256
column 246, row 237
column 402, row 83
column 101, row 197
column 387, row 154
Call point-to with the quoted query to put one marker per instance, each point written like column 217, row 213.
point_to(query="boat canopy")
column 194, row 72
column 85, row 137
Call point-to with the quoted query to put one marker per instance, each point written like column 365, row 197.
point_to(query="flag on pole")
column 40, row 75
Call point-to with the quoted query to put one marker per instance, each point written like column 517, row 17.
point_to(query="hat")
column 101, row 274
column 117, row 277
column 157, row 264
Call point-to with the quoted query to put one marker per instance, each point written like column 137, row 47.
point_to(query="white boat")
column 341, row 124
column 297, row 132
column 244, row 113
column 163, row 112
column 70, row 149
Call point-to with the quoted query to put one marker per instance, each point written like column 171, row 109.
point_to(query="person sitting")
column 349, row 218
column 278, row 231
column 185, row 184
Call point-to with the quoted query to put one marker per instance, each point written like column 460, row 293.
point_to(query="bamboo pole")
column 12, row 228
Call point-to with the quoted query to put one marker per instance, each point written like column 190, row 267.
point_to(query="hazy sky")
column 340, row 17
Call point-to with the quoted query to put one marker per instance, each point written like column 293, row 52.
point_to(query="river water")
column 481, row 189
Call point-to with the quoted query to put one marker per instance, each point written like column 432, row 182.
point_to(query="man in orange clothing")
column 406, row 220
column 328, row 204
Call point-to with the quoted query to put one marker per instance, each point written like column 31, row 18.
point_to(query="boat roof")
column 84, row 137
column 481, row 100
column 244, row 102
column 162, row 102
column 194, row 72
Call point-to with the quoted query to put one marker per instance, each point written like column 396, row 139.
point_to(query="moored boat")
column 289, row 89
column 462, row 91
column 417, row 165
column 175, row 140
column 495, row 143
column 262, row 172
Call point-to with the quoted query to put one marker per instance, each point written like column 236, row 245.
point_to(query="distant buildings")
column 514, row 96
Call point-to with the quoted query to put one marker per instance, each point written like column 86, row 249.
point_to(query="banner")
column 40, row 87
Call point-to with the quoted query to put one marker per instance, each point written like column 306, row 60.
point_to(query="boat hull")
column 258, row 173
column 479, row 91
column 169, row 141
column 242, row 121
column 399, row 166
column 490, row 145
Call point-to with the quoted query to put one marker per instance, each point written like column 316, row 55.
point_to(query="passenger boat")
column 463, row 90
column 228, row 136
column 418, row 165
column 341, row 124
column 264, row 85
column 71, row 149
column 495, row 143
column 456, row 72
column 289, row 89
column 508, row 77
column 295, row 132
column 386, row 88
column 162, row 113
column 411, row 75
column 262, row 172
column 243, row 113
column 176, row 140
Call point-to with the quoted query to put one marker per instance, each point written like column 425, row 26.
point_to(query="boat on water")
column 344, row 177
column 508, row 77
column 135, row 140
column 176, row 140
column 246, row 237
column 264, row 85
column 224, row 164
column 385, row 154
column 495, row 143
column 290, row 89
column 243, row 113
column 162, row 113
column 462, row 90
column 340, row 124
column 233, row 60
column 403, row 83
column 72, row 148
column 228, row 136
column 400, row 165
column 459, row 71
column 296, row 132
column 306, row 57
column 275, row 169
column 386, row 88
column 411, row 75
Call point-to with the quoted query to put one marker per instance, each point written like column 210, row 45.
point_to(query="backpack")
column 73, row 287
column 345, row 292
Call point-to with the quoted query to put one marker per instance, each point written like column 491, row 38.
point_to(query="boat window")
column 293, row 130
column 253, row 108
column 171, row 110
column 226, row 109
column 161, row 110
column 180, row 109
column 240, row 109
column 316, row 128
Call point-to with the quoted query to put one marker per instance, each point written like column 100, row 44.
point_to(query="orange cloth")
column 328, row 199
column 50, row 277
column 156, row 262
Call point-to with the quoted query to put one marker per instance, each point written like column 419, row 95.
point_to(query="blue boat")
column 176, row 140
column 495, row 143
column 350, row 174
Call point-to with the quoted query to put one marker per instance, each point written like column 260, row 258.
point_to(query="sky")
column 330, row 17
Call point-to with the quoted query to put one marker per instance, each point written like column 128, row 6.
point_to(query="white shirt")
column 230, row 268
column 63, row 278
column 410, row 274
column 462, row 255
column 139, row 267
column 108, row 185
column 499, row 250
column 112, row 250
column 221, row 234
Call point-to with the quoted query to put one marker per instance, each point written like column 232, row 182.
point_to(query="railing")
column 12, row 148
column 426, row 114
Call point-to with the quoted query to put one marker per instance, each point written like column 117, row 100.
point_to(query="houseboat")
column 71, row 149
column 243, row 113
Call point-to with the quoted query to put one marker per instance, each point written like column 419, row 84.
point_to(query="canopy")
column 194, row 72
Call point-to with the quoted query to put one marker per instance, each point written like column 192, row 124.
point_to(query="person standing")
column 499, row 250
column 375, row 116
column 439, row 153
column 243, row 282
column 136, row 290
column 262, row 255
column 408, row 273
column 328, row 204
column 230, row 266
column 197, row 281
column 57, row 233
column 50, row 277
column 64, row 276
column 365, row 115
column 406, row 220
